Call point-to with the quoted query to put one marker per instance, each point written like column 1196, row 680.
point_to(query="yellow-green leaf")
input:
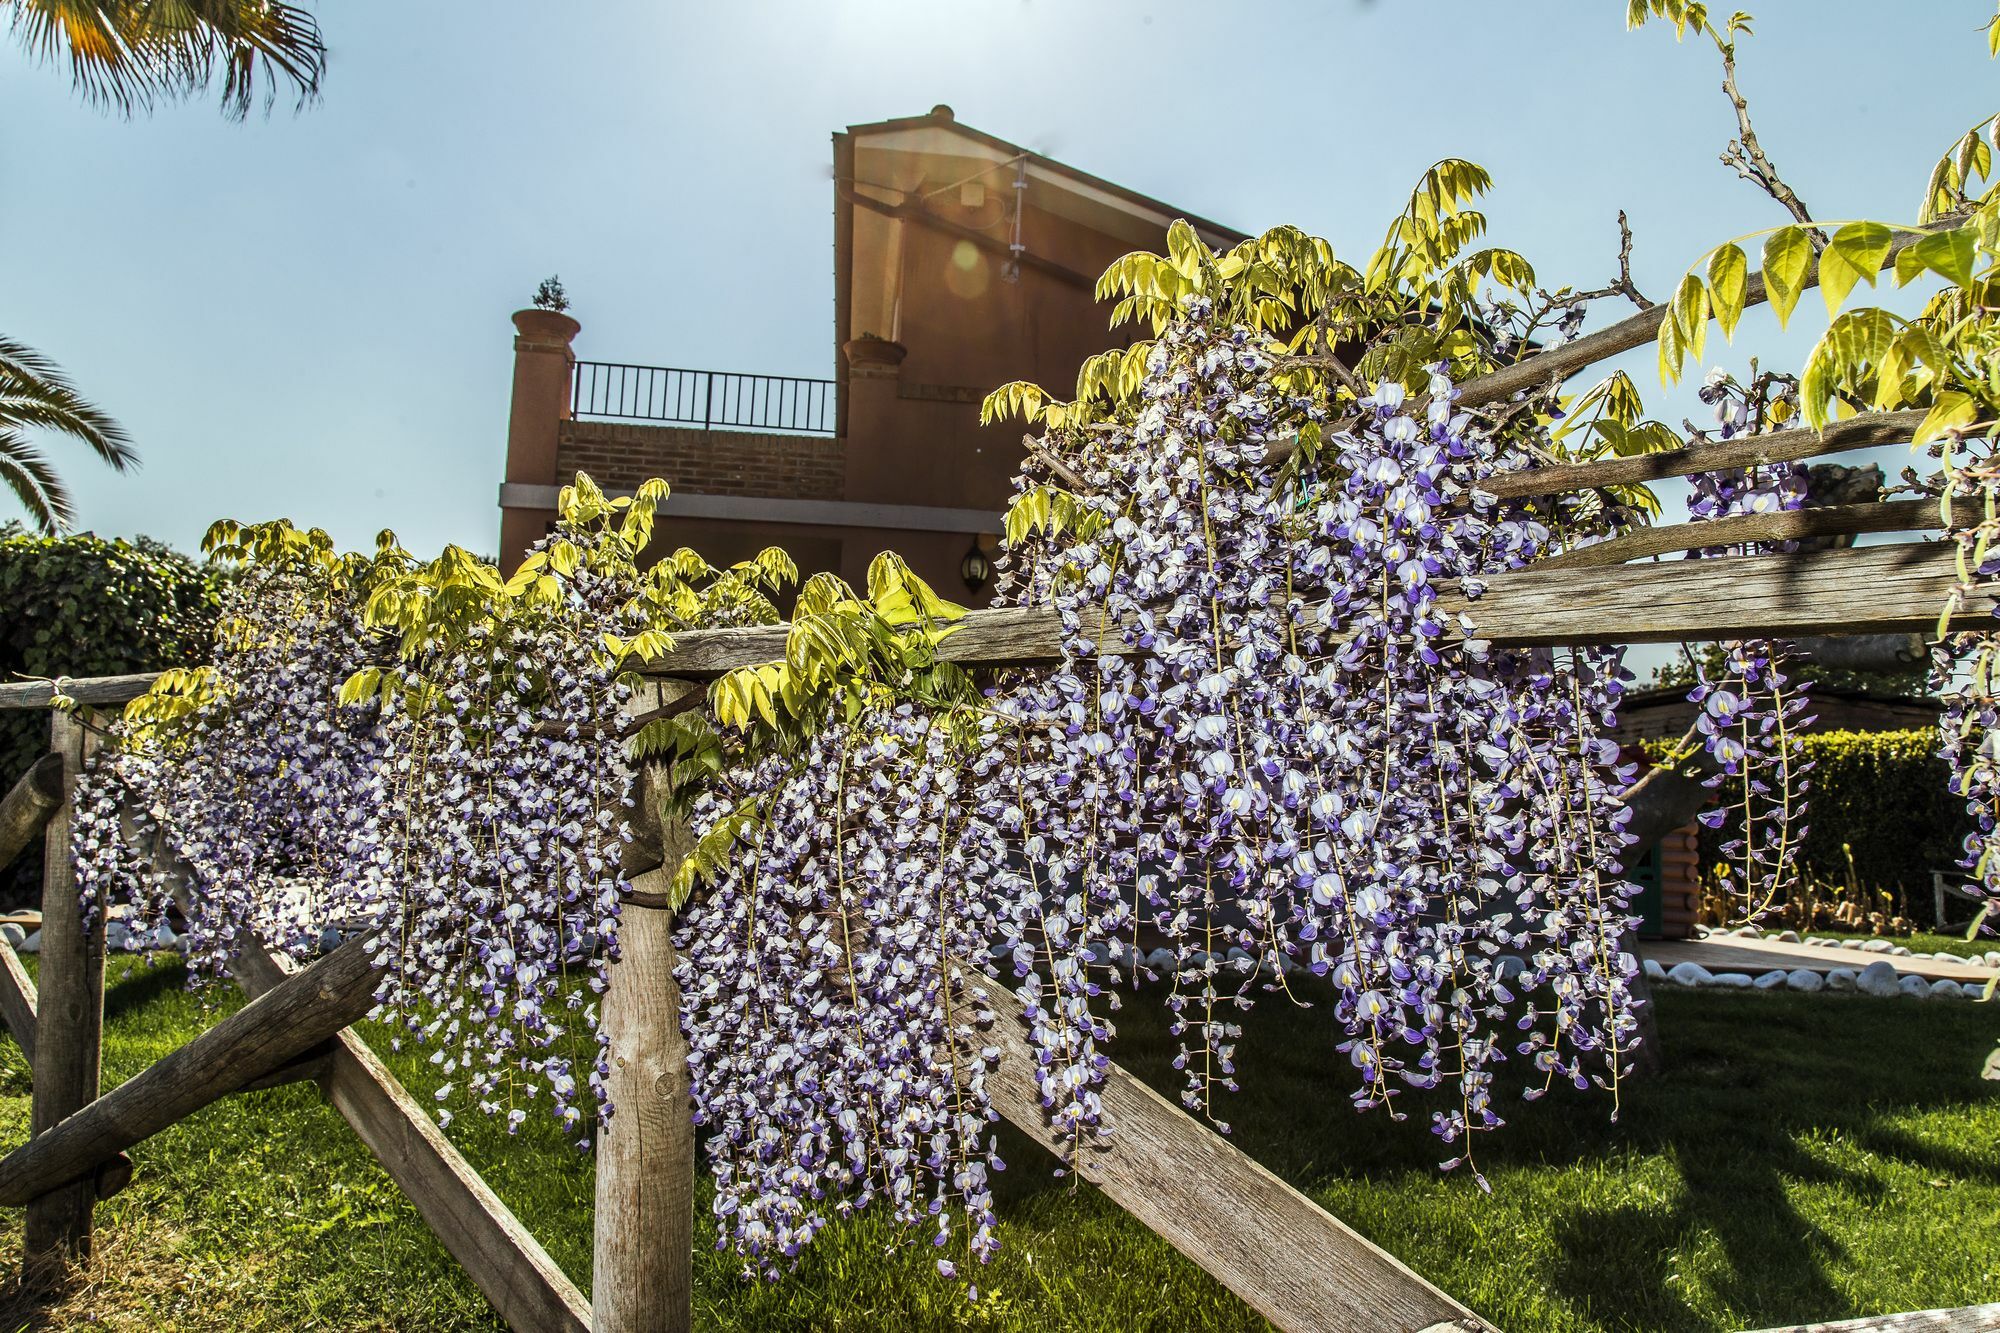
column 1788, row 258
column 1855, row 252
column 1728, row 278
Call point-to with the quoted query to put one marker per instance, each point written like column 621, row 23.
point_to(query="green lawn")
column 1924, row 943
column 1804, row 1156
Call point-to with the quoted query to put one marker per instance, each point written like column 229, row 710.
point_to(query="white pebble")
column 1803, row 979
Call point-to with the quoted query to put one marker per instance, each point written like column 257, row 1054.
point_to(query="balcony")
column 703, row 399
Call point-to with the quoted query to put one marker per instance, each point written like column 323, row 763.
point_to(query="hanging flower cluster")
column 1753, row 712
column 1268, row 744
column 425, row 755
column 835, row 1042
column 1964, row 662
column 1268, row 748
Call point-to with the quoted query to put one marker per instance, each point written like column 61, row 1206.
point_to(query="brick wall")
column 621, row 455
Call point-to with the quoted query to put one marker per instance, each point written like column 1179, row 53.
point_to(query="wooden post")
column 69, row 1024
column 642, row 1278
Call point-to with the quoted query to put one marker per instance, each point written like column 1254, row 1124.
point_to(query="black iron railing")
column 710, row 399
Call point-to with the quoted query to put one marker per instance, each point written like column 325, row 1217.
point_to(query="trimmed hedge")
column 1884, row 794
column 87, row 606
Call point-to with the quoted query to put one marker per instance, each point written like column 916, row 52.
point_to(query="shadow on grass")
column 1754, row 1088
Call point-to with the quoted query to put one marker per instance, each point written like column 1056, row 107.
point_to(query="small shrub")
column 89, row 606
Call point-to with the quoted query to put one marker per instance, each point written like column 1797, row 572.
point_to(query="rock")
column 1915, row 987
column 1900, row 951
column 1510, row 966
column 1161, row 961
column 1654, row 972
column 1803, row 978
column 1878, row 978
column 12, row 933
column 1947, row 989
column 1731, row 980
column 1875, row 946
column 33, row 944
column 1840, row 978
column 1993, row 958
column 1786, row 937
column 118, row 937
column 1689, row 974
column 1748, row 932
column 1773, row 980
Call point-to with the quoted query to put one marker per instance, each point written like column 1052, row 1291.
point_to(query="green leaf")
column 1728, row 279
column 1855, row 252
column 1691, row 313
column 1788, row 257
column 1949, row 254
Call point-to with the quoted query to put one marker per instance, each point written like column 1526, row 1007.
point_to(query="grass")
column 1922, row 942
column 1802, row 1157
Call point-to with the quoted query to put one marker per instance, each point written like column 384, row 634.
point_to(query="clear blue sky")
column 307, row 315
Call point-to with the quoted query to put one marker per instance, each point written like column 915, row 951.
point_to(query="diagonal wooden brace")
column 270, row 1032
column 1299, row 1266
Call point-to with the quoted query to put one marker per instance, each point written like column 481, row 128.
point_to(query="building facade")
column 961, row 262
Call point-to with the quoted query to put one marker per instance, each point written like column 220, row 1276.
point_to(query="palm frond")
column 35, row 484
column 34, row 392
column 128, row 55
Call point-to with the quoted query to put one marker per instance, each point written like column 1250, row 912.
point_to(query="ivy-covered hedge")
column 87, row 606
column 1885, row 795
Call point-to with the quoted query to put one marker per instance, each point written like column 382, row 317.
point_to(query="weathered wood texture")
column 264, row 1035
column 501, row 1256
column 642, row 1267
column 1288, row 1258
column 1968, row 1319
column 84, row 689
column 1866, row 590
column 1785, row 525
column 69, row 1024
column 1860, row 432
column 26, row 809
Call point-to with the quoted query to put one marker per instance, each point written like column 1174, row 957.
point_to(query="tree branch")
column 1747, row 156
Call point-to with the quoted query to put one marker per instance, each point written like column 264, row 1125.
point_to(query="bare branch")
column 1624, row 285
column 1747, row 156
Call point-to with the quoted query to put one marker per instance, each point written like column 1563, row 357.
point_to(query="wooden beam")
column 1784, row 525
column 269, row 1032
column 1288, row 1258
column 69, row 1025
column 1967, row 1319
column 643, row 1231
column 524, row 1285
column 1004, row 636
column 25, row 810
column 1862, row 590
column 83, row 689
column 1868, row 431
